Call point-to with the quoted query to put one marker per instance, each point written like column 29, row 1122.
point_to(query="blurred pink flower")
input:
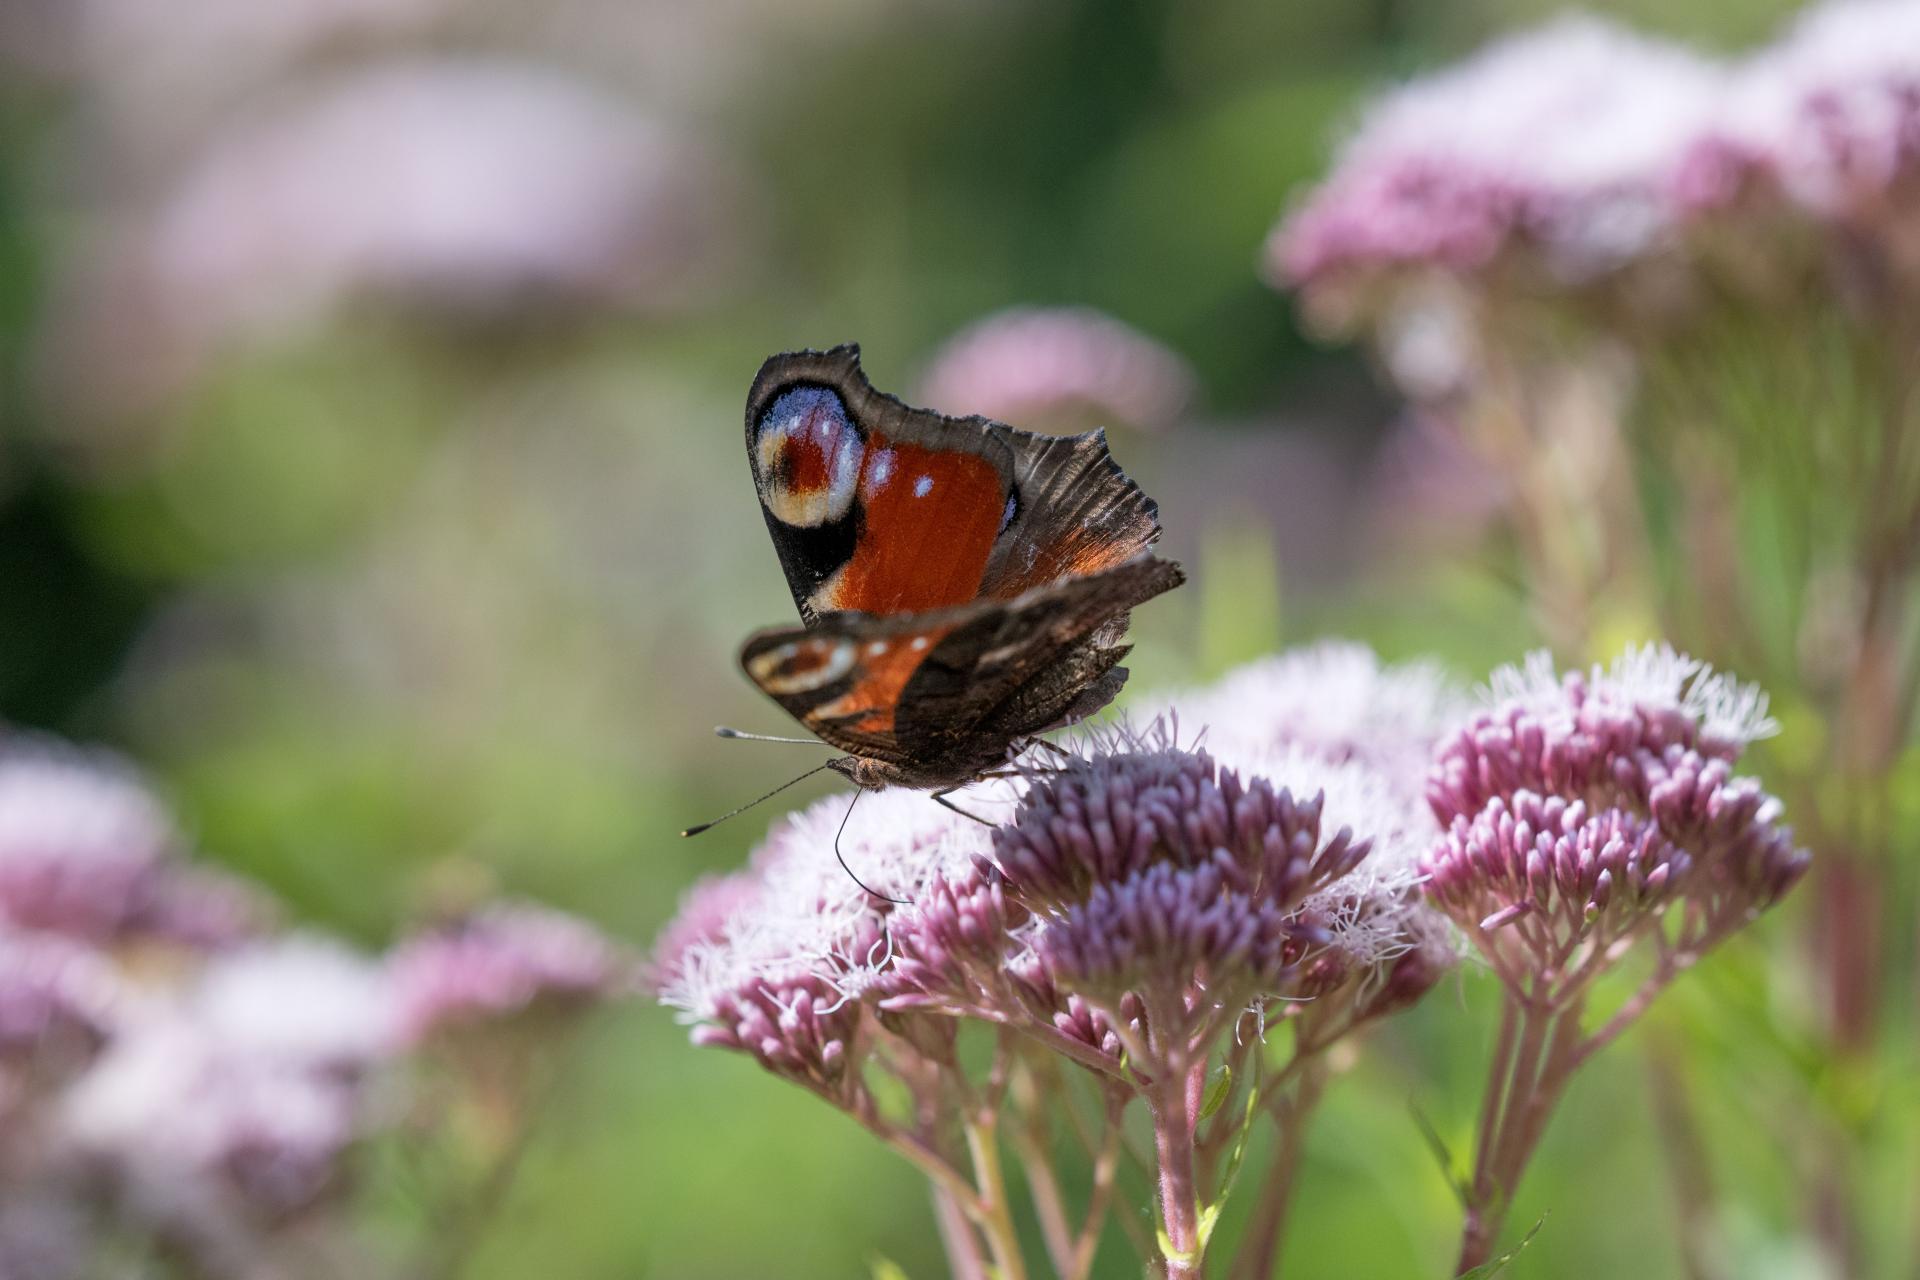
column 52, row 990
column 1831, row 112
column 203, row 909
column 228, row 1103
column 299, row 998
column 501, row 962
column 1065, row 369
column 193, row 1135
column 148, row 59
column 86, row 850
column 472, row 183
column 486, row 189
column 1563, row 136
column 83, row 843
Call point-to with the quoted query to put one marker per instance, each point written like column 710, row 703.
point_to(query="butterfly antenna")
column 871, row 893
column 707, row 826
column 724, row 732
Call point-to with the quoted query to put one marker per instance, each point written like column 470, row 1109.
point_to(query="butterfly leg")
column 872, row 893
column 940, row 798
column 1059, row 752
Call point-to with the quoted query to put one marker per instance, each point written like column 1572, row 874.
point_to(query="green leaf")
column 887, row 1269
column 1442, row 1156
column 1210, row 1214
column 1170, row 1253
column 1218, row 1091
column 1486, row 1270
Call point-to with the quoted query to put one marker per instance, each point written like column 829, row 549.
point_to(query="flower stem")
column 1049, row 1206
column 1259, row 1255
column 956, row 1234
column 1106, row 1164
column 996, row 1216
column 1173, row 1139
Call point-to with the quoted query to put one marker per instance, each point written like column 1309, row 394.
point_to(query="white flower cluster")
column 806, row 917
column 1652, row 677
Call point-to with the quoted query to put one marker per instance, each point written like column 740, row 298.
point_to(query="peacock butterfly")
column 963, row 585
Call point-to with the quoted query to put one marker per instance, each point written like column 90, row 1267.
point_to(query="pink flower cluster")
column 1061, row 369
column 172, row 1062
column 1580, row 808
column 505, row 960
column 1152, row 913
column 1590, row 146
column 1137, row 875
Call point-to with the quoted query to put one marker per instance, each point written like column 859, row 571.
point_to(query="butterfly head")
column 868, row 775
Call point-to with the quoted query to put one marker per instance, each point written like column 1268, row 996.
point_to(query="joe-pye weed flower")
column 1146, row 925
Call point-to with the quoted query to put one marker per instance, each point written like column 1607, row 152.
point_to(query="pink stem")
column 1173, row 1139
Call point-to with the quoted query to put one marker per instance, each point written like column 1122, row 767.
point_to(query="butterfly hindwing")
column 1018, row 667
column 942, row 694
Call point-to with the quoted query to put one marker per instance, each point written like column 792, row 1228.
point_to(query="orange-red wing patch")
column 1074, row 554
column 881, row 668
column 928, row 521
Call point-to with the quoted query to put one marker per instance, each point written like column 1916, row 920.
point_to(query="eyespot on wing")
column 807, row 457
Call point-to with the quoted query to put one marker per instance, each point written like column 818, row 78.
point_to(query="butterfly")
column 963, row 585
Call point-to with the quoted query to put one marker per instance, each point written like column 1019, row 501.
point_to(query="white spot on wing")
column 922, row 486
column 879, row 471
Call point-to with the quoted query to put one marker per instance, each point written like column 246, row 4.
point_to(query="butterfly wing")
column 1024, row 665
column 873, row 507
column 879, row 508
column 843, row 677
column 1074, row 513
column 941, row 694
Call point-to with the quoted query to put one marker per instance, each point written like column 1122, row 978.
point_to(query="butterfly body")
column 963, row 585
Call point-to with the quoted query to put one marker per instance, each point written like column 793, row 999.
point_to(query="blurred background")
column 370, row 470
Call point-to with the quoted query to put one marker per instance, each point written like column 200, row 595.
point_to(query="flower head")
column 1169, row 923
column 1548, row 861
column 781, row 975
column 1581, row 806
column 83, row 843
column 1064, row 368
column 704, row 912
column 1102, row 820
column 1831, row 113
column 192, row 1131
column 52, row 991
column 1595, row 734
column 502, row 962
column 1334, row 699
column 233, row 1099
column 1560, row 138
column 302, row 999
